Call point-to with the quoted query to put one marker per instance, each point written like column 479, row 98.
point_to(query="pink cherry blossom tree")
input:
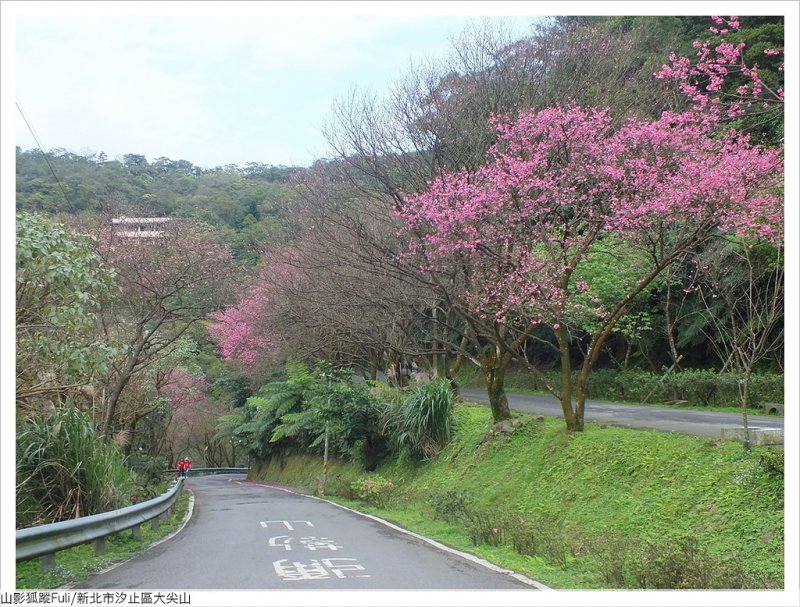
column 559, row 185
column 168, row 283
column 248, row 333
column 239, row 329
column 703, row 80
column 185, row 393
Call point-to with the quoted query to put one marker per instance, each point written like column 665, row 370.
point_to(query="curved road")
column 685, row 421
column 252, row 536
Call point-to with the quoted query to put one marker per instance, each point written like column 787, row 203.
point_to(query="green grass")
column 77, row 564
column 593, row 500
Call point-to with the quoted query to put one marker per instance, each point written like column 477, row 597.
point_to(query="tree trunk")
column 111, row 405
column 670, row 327
column 435, row 345
column 580, row 403
column 125, row 375
column 573, row 421
column 744, row 392
column 452, row 372
column 494, row 375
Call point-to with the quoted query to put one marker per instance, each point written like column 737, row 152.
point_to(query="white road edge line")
column 465, row 555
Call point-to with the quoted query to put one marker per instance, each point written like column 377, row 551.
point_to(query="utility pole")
column 324, row 479
column 325, row 461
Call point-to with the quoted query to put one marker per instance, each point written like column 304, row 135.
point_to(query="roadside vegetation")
column 657, row 510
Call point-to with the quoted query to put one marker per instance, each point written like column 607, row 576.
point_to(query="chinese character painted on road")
column 281, row 540
column 287, row 524
column 311, row 542
column 319, row 543
column 338, row 566
column 316, row 570
column 300, row 571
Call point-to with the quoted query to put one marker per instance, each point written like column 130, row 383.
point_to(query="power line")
column 44, row 155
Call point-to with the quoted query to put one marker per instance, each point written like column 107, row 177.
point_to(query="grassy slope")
column 600, row 489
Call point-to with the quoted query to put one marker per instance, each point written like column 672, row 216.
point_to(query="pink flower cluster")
column 560, row 179
column 703, row 79
column 184, row 389
column 238, row 329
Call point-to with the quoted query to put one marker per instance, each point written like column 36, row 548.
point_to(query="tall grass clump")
column 64, row 470
column 422, row 422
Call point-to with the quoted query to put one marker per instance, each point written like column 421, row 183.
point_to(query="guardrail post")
column 44, row 541
column 48, row 561
column 155, row 523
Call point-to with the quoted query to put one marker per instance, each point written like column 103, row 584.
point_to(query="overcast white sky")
column 231, row 82
column 212, row 90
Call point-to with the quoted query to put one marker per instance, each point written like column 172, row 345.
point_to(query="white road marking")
column 287, row 524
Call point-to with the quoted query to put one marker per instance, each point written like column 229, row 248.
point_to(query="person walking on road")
column 182, row 467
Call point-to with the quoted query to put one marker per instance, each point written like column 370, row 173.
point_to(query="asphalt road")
column 251, row 536
column 697, row 423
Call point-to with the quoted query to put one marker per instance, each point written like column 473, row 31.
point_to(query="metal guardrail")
column 194, row 471
column 45, row 540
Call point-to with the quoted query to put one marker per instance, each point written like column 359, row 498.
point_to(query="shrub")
column 148, row 472
column 699, row 387
column 602, row 384
column 675, row 564
column 524, row 537
column 545, row 536
column 766, row 388
column 485, row 527
column 450, row 506
column 423, row 421
column 772, row 461
column 64, row 470
column 679, row 563
column 307, row 407
column 702, row 387
column 374, row 490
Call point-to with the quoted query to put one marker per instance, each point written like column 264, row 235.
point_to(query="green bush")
column 374, row 490
column 450, row 506
column 423, row 421
column 766, row 388
column 485, row 527
column 305, row 408
column 64, row 470
column 148, row 473
column 546, row 536
column 772, row 460
column 675, row 564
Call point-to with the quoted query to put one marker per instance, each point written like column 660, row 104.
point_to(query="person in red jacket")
column 187, row 465
column 182, row 467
